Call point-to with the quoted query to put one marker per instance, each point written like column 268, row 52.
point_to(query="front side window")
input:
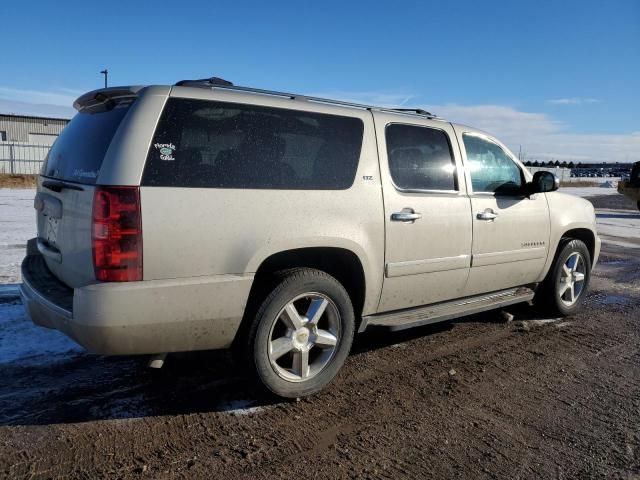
column 420, row 158
column 490, row 168
column 201, row 143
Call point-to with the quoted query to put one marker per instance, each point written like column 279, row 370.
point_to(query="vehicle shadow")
column 81, row 387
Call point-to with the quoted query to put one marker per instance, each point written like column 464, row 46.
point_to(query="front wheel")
column 302, row 333
column 567, row 282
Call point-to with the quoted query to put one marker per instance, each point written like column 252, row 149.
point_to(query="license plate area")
column 50, row 210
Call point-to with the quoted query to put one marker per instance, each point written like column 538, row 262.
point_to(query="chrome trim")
column 418, row 190
column 327, row 101
column 487, row 215
column 405, row 216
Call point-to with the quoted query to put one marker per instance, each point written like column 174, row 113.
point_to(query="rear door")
column 427, row 212
column 510, row 231
column 65, row 191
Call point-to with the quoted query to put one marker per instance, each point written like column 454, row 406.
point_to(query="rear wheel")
column 301, row 334
column 567, row 282
column 638, row 204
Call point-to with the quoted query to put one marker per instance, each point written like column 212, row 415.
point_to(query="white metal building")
column 29, row 129
column 25, row 141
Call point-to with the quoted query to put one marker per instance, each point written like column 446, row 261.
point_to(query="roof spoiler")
column 105, row 97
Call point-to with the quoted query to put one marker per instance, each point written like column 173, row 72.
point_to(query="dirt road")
column 475, row 398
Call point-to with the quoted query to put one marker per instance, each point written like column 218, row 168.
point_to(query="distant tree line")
column 552, row 163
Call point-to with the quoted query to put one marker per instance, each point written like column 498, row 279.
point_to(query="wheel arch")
column 341, row 263
column 582, row 233
column 587, row 236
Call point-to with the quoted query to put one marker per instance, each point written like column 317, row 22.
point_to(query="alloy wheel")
column 304, row 337
column 572, row 277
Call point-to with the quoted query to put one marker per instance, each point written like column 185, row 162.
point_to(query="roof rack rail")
column 419, row 111
column 215, row 82
column 204, row 82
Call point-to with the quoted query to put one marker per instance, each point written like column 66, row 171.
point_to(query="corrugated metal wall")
column 18, row 128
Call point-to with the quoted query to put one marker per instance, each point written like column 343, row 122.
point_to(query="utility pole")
column 105, row 72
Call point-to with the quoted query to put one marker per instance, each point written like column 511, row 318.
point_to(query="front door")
column 427, row 213
column 510, row 231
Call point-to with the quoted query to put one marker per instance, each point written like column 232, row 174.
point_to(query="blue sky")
column 557, row 79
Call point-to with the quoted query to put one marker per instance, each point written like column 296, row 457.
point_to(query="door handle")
column 488, row 214
column 407, row 215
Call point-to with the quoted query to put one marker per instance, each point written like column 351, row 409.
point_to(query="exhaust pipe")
column 157, row 361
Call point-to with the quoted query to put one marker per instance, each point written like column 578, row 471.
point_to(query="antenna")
column 105, row 72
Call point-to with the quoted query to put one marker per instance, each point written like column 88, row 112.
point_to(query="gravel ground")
column 533, row 398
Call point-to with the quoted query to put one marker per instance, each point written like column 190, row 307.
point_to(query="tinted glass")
column 420, row 158
column 199, row 143
column 491, row 169
column 78, row 152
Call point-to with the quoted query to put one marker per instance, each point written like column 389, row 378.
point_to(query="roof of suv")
column 219, row 83
column 98, row 96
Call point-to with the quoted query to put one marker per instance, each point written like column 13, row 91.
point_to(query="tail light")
column 117, row 234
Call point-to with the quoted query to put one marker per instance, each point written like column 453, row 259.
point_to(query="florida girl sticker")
column 166, row 151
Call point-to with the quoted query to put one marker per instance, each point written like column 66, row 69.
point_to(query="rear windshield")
column 200, row 143
column 78, row 153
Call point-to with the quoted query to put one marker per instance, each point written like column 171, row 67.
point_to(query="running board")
column 439, row 312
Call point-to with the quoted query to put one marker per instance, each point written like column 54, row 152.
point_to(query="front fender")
column 569, row 213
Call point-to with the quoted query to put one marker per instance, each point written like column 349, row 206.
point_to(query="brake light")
column 117, row 234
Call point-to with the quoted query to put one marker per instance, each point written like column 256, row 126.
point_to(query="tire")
column 290, row 354
column 638, row 204
column 573, row 263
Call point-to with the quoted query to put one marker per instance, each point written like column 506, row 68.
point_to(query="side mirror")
column 543, row 182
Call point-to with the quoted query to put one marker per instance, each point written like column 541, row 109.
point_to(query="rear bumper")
column 155, row 316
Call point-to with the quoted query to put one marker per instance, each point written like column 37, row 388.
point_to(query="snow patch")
column 17, row 225
column 586, row 191
column 241, row 407
column 24, row 343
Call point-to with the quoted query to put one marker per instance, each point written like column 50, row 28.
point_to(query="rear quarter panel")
column 190, row 232
column 127, row 154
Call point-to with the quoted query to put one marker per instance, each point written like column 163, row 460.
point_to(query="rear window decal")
column 166, row 151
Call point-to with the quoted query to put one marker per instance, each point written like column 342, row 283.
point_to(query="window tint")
column 420, row 158
column 200, row 143
column 78, row 152
column 491, row 169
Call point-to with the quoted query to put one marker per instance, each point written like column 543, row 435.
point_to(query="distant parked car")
column 630, row 184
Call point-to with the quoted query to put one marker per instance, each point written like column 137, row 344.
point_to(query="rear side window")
column 420, row 158
column 78, row 152
column 199, row 143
